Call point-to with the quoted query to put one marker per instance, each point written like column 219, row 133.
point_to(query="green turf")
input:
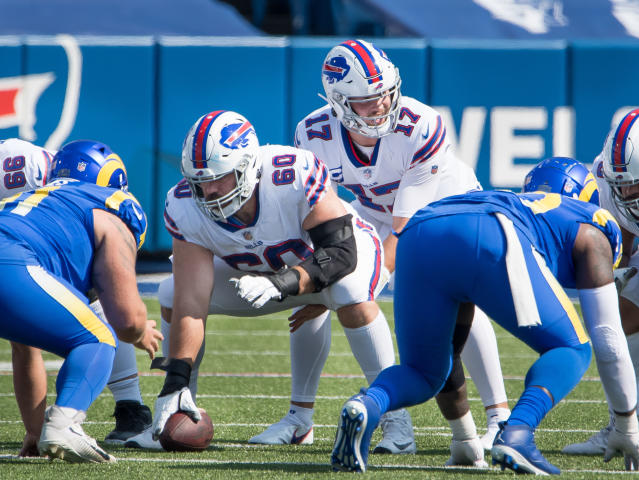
column 242, row 406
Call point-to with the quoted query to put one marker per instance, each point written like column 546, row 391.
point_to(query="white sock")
column 128, row 389
column 372, row 346
column 309, row 346
column 463, row 428
column 303, row 415
column 495, row 415
column 481, row 359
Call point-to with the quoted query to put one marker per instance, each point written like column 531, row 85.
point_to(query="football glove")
column 257, row 290
column 624, row 440
column 623, row 276
column 167, row 405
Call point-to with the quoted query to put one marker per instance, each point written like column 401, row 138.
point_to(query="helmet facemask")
column 621, row 163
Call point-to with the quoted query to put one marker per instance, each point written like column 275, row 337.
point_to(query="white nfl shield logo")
column 82, row 166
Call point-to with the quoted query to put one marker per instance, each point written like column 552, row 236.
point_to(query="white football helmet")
column 357, row 71
column 621, row 162
column 220, row 143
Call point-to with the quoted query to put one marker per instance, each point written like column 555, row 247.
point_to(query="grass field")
column 245, row 385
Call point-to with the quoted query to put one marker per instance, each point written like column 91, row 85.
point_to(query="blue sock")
column 532, row 407
column 380, row 397
column 84, row 375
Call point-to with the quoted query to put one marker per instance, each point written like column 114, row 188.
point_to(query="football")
column 181, row 434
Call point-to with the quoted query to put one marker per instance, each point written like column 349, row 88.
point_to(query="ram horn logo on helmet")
column 51, row 124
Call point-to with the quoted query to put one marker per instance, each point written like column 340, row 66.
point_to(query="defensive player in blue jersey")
column 56, row 243
column 507, row 254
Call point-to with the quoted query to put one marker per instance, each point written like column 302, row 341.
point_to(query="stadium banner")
column 508, row 104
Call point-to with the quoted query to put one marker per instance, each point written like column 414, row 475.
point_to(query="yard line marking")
column 211, row 461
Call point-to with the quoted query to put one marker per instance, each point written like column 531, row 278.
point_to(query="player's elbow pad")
column 335, row 254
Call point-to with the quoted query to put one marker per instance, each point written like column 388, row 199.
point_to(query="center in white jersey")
column 292, row 182
column 406, row 170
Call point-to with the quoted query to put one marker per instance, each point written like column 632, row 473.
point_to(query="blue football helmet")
column 563, row 175
column 92, row 162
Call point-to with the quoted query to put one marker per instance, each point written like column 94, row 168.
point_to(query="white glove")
column 624, row 439
column 257, row 290
column 623, row 276
column 167, row 405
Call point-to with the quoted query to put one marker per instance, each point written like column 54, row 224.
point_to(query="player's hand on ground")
column 167, row 405
column 30, row 446
column 626, row 444
column 305, row 314
column 257, row 290
column 150, row 340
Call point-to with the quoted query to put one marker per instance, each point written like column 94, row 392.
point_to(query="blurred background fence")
column 516, row 80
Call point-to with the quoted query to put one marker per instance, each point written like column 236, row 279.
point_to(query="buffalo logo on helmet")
column 336, row 69
column 600, row 170
column 236, row 135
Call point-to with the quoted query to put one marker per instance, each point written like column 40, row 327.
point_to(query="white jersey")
column 405, row 171
column 24, row 166
column 292, row 182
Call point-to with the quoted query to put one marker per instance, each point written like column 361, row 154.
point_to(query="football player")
column 392, row 152
column 256, row 230
column 515, row 251
column 616, row 170
column 58, row 242
column 25, row 167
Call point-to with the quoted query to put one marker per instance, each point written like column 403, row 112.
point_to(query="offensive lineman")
column 25, row 167
column 263, row 222
column 616, row 170
column 392, row 153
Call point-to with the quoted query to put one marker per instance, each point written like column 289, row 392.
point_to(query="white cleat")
column 595, row 445
column 62, row 437
column 143, row 440
column 397, row 433
column 285, row 432
column 467, row 452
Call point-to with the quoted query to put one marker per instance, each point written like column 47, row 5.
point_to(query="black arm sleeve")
column 335, row 254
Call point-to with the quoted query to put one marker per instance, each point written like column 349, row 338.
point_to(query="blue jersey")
column 549, row 220
column 52, row 226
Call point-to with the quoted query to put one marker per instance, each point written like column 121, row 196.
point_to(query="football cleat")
column 357, row 422
column 397, row 433
column 515, row 448
column 62, row 437
column 467, row 452
column 492, row 427
column 131, row 418
column 143, row 440
column 595, row 445
column 285, row 432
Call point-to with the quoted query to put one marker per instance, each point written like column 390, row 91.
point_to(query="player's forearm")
column 187, row 335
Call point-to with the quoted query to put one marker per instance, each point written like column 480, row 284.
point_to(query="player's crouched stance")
column 258, row 230
column 78, row 232
column 516, row 252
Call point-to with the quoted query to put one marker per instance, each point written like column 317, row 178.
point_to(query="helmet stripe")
column 201, row 134
column 238, row 133
column 366, row 59
column 619, row 141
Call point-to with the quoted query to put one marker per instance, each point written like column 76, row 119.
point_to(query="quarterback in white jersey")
column 26, row 166
column 616, row 170
column 393, row 154
column 258, row 229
